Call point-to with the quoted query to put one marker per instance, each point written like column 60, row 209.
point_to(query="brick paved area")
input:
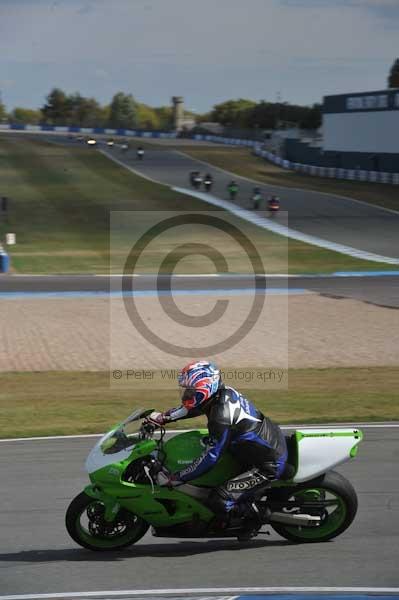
column 75, row 334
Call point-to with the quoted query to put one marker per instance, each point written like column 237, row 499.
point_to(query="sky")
column 207, row 51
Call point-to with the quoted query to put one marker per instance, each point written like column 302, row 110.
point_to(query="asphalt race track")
column 39, row 478
column 334, row 218
column 383, row 290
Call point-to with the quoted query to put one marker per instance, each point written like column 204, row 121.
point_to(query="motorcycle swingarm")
column 303, row 505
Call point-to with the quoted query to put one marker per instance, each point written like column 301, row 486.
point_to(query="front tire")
column 336, row 518
column 86, row 525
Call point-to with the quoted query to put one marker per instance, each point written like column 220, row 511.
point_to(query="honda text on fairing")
column 309, row 503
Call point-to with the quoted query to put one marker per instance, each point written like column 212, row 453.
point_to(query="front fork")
column 111, row 504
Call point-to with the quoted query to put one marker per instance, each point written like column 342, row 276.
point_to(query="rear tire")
column 124, row 531
column 335, row 486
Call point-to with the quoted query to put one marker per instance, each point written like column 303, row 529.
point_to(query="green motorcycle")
column 310, row 503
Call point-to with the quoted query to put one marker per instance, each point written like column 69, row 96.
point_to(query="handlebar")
column 147, row 429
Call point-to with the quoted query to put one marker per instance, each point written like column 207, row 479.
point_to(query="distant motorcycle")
column 273, row 206
column 232, row 188
column 140, row 153
column 197, row 181
column 208, row 182
column 192, row 176
column 256, row 199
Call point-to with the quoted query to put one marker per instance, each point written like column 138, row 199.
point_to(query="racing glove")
column 157, row 418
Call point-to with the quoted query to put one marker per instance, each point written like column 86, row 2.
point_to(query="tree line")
column 247, row 114
column 76, row 110
column 125, row 112
column 393, row 77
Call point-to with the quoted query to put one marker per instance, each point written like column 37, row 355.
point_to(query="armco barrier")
column 335, row 173
column 86, row 130
column 331, row 172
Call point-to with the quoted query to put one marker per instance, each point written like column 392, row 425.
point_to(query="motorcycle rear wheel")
column 340, row 498
column 87, row 527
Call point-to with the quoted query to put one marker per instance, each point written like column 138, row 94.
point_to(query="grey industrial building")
column 360, row 131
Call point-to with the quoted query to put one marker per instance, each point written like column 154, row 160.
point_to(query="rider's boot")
column 253, row 519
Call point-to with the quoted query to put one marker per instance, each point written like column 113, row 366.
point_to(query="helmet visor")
column 188, row 397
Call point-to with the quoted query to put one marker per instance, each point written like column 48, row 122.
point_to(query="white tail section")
column 320, row 450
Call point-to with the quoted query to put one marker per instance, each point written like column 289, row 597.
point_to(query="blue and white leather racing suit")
column 255, row 441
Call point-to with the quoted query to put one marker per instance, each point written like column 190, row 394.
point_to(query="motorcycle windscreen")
column 114, row 446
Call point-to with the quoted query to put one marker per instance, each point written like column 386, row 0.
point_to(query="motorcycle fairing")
column 320, row 450
column 317, row 451
column 159, row 506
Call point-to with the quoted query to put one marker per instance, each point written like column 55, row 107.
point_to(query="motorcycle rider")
column 232, row 188
column 197, row 180
column 208, row 182
column 234, row 423
column 192, row 177
column 274, row 204
column 140, row 153
column 256, row 198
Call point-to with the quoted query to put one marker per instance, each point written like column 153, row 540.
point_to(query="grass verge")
column 60, row 202
column 62, row 403
column 242, row 162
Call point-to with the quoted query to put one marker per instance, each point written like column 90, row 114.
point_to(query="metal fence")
column 87, row 130
column 329, row 172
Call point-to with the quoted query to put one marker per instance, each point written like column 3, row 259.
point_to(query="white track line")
column 287, row 427
column 231, row 275
column 196, row 591
column 265, row 223
column 271, row 225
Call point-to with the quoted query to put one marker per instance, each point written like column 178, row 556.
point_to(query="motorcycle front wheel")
column 331, row 497
column 86, row 525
